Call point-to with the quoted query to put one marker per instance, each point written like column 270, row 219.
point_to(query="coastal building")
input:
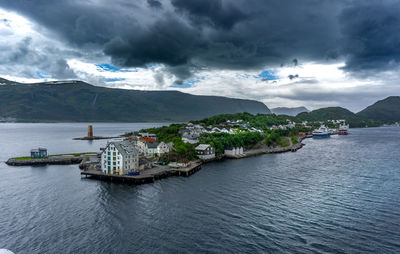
column 119, row 158
column 233, row 151
column 205, row 151
column 147, row 135
column 39, row 153
column 182, row 164
column 163, row 148
column 191, row 138
column 147, row 146
column 144, row 164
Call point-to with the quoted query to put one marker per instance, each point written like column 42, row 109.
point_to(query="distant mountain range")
column 78, row 101
column 289, row 111
column 383, row 111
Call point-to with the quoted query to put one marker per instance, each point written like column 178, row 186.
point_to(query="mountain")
column 328, row 114
column 289, row 111
column 79, row 101
column 386, row 110
column 337, row 113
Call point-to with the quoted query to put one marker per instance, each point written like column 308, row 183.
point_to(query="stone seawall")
column 44, row 161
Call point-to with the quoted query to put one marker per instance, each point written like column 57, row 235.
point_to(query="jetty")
column 61, row 159
column 146, row 176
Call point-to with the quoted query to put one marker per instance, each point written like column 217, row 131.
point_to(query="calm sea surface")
column 337, row 195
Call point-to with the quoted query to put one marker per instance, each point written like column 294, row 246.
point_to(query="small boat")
column 333, row 131
column 321, row 132
column 343, row 129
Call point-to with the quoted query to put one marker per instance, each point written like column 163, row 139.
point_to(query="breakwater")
column 44, row 161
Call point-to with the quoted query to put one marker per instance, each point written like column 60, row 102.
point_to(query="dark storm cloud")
column 218, row 13
column 24, row 54
column 154, row 3
column 187, row 35
column 371, row 35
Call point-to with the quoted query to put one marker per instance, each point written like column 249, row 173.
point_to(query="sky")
column 313, row 53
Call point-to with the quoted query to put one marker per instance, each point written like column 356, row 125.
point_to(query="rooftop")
column 125, row 148
column 202, row 147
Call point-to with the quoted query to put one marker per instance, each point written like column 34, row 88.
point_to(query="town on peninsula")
column 180, row 149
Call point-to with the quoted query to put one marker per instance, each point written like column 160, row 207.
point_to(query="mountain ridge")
column 387, row 109
column 78, row 101
column 289, row 111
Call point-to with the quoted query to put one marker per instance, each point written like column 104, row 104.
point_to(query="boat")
column 343, row 129
column 333, row 131
column 321, row 132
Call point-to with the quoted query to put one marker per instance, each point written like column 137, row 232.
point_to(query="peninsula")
column 180, row 149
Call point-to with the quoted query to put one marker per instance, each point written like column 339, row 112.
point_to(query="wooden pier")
column 147, row 176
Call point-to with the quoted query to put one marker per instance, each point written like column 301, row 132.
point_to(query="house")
column 39, row 153
column 233, row 151
column 163, row 148
column 144, row 164
column 191, row 138
column 120, row 158
column 205, row 151
column 183, row 164
column 147, row 135
column 147, row 146
column 215, row 130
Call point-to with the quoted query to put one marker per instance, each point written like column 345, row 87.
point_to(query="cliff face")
column 79, row 101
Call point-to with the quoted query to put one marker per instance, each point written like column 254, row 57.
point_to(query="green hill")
column 79, row 101
column 335, row 113
column 386, row 110
column 329, row 113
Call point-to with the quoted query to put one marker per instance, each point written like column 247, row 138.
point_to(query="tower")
column 90, row 131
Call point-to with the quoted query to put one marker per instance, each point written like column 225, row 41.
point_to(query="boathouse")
column 39, row 153
column 205, row 151
column 233, row 151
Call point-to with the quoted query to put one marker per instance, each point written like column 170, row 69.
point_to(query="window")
column 114, row 159
column 114, row 163
column 114, row 153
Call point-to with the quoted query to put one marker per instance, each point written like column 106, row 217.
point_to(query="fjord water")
column 336, row 195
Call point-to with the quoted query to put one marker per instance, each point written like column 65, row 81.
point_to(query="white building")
column 163, row 148
column 234, row 151
column 191, row 138
column 147, row 146
column 205, row 151
column 119, row 158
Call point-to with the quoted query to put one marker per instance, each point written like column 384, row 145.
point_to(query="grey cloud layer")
column 226, row 34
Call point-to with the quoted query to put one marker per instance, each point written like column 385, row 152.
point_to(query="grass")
column 284, row 142
column 294, row 140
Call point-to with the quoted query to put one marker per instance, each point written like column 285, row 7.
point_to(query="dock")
column 146, row 176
